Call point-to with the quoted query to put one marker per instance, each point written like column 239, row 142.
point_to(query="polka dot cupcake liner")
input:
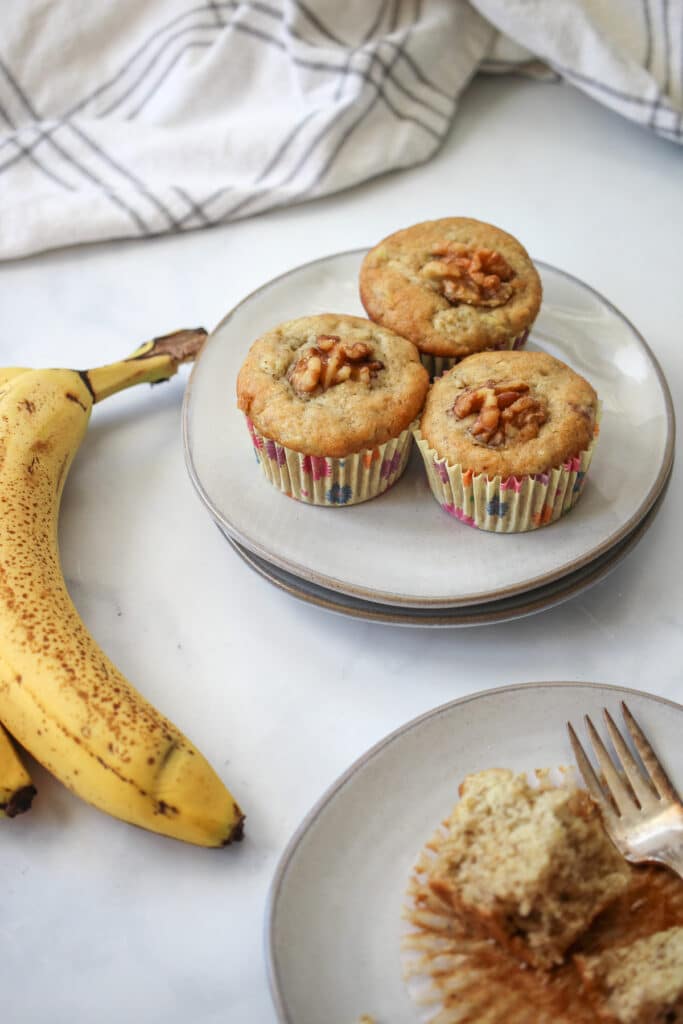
column 515, row 504
column 328, row 481
column 436, row 365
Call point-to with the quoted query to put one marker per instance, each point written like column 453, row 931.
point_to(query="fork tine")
column 661, row 781
column 618, row 790
column 589, row 776
column 643, row 791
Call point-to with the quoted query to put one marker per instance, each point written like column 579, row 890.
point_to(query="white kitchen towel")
column 132, row 119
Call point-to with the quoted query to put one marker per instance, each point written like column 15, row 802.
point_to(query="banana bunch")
column 60, row 696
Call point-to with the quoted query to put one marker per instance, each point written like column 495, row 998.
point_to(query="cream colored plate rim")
column 520, row 606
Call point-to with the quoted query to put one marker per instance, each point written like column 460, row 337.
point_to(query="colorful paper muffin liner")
column 328, row 481
column 436, row 365
column 514, row 504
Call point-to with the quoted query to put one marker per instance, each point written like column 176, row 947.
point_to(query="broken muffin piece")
column 641, row 983
column 530, row 867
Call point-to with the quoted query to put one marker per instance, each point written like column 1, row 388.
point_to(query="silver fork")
column 642, row 812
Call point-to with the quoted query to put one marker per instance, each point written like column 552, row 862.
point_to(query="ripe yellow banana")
column 60, row 696
column 16, row 789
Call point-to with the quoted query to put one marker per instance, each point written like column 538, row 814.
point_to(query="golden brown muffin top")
column 331, row 384
column 509, row 413
column 452, row 286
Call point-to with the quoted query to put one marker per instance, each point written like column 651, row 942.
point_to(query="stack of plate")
column 400, row 558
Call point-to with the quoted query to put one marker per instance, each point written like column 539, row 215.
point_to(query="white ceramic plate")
column 401, row 549
column 507, row 608
column 335, row 904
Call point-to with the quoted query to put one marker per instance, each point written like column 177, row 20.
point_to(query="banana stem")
column 154, row 361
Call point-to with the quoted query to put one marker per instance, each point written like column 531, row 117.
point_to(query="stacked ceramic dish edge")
column 399, row 558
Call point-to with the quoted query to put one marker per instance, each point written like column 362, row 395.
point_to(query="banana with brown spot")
column 60, row 696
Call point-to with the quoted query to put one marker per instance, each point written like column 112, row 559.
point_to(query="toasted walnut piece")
column 478, row 277
column 507, row 412
column 305, row 374
column 331, row 361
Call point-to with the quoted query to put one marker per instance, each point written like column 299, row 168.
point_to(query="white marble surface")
column 103, row 922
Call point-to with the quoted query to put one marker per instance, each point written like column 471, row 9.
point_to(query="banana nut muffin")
column 529, row 867
column 329, row 400
column 640, row 983
column 509, row 413
column 507, row 439
column 452, row 286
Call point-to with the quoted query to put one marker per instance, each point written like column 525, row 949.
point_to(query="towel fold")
column 132, row 120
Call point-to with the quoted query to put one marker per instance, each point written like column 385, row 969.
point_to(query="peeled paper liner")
column 436, row 365
column 510, row 505
column 328, row 481
column 455, row 977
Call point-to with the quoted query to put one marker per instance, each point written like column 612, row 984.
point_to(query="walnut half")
column 331, row 361
column 478, row 277
column 507, row 412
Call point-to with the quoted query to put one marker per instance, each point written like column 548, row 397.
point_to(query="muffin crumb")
column 529, row 867
column 639, row 983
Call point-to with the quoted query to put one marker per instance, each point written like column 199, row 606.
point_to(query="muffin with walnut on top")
column 507, row 439
column 453, row 286
column 329, row 402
